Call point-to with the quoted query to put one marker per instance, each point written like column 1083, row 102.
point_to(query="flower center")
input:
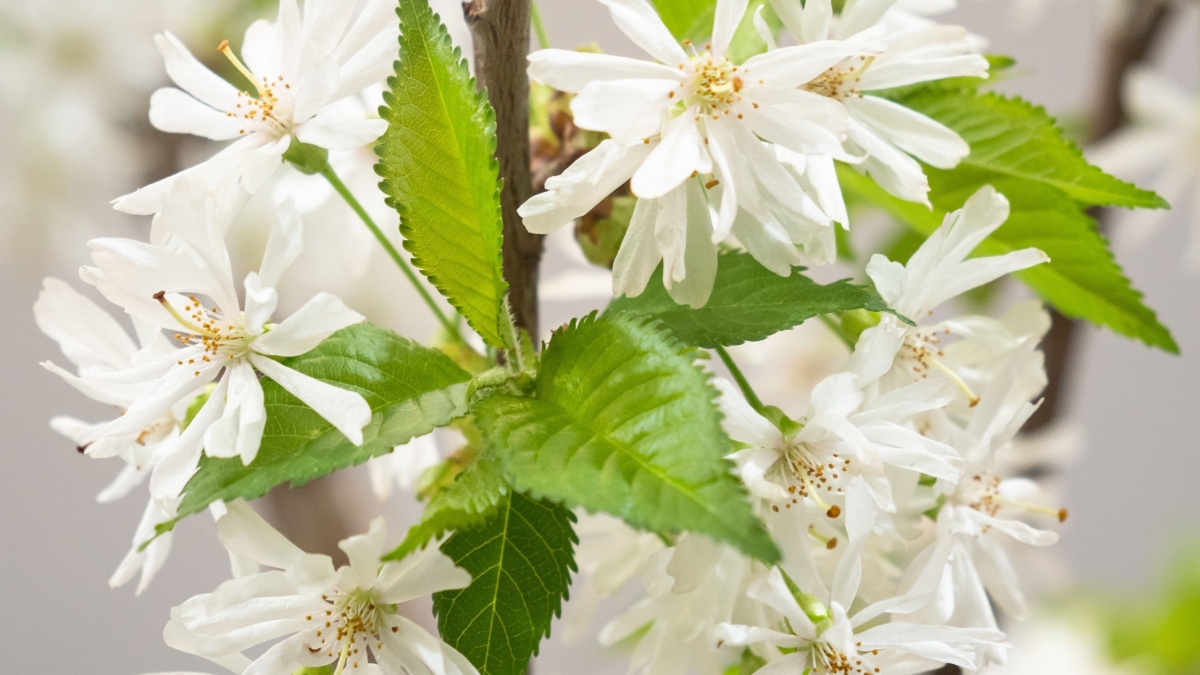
column 829, row 660
column 715, row 85
column 922, row 353
column 262, row 113
column 805, row 475
column 346, row 629
column 982, row 493
column 841, row 81
column 220, row 337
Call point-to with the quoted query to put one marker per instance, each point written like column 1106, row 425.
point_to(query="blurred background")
column 75, row 80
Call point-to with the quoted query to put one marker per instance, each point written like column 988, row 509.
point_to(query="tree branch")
column 1127, row 44
column 500, row 29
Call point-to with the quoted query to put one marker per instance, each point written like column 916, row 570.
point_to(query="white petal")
column 244, row 532
column 912, row 132
column 680, row 154
column 791, row 67
column 421, row 573
column 319, row 318
column 728, row 16
column 364, row 551
column 700, row 253
column 193, row 77
column 628, row 110
column 639, row 254
column 175, row 112
column 571, row 71
column 590, row 179
column 346, row 410
column 284, row 244
column 340, row 132
column 742, row 422
column 87, row 335
column 641, row 23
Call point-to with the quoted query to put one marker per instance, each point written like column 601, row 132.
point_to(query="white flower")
column 836, row 461
column 887, row 134
column 1164, row 144
column 303, row 68
column 342, row 616
column 690, row 588
column 407, row 463
column 975, row 512
column 609, row 555
column 682, row 125
column 937, row 272
column 822, row 638
column 163, row 286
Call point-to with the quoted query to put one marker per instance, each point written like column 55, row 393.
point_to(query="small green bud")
column 786, row 425
column 309, row 159
column 856, row 321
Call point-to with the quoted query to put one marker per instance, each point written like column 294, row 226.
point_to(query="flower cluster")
column 894, row 498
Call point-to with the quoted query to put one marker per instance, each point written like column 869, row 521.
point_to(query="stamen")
column 161, row 297
column 237, row 63
column 972, row 398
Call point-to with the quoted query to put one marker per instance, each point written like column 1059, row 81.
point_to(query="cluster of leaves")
column 616, row 415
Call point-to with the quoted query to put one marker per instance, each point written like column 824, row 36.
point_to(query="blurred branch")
column 1128, row 43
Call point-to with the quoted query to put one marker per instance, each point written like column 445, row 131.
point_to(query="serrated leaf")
column 466, row 502
column 1012, row 138
column 520, row 559
column 748, row 303
column 411, row 390
column 1082, row 279
column 624, row 422
column 439, row 171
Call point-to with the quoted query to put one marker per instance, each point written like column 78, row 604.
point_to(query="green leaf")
column 748, row 303
column 687, row 19
column 693, row 20
column 411, row 390
column 520, row 560
column 439, row 171
column 466, row 502
column 625, row 423
column 1082, row 280
column 1012, row 138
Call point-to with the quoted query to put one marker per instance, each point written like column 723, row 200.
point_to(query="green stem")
column 539, row 28
column 742, row 382
column 837, row 330
column 330, row 175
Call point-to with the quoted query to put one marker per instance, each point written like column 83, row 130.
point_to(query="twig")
column 500, row 29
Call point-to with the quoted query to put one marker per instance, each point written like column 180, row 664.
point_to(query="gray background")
column 1131, row 495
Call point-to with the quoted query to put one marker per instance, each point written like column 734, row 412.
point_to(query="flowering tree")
column 873, row 532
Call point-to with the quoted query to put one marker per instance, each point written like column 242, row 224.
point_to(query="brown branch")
column 500, row 29
column 1128, row 44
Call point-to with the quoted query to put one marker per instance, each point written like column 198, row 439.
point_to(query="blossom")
column 835, row 461
column 218, row 340
column 889, row 137
column 683, row 126
column 937, row 272
column 1163, row 142
column 977, row 514
column 690, row 588
column 821, row 636
column 304, row 69
column 342, row 616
